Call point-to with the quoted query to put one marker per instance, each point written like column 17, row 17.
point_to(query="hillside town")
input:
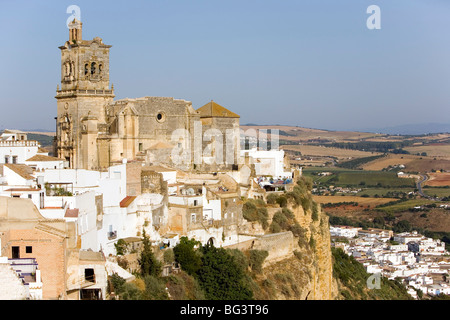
column 419, row 262
column 59, row 226
column 121, row 184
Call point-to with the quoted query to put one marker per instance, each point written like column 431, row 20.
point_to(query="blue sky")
column 295, row 62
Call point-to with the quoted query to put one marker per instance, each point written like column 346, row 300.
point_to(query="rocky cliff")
column 308, row 272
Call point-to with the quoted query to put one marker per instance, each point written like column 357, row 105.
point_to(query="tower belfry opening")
column 75, row 30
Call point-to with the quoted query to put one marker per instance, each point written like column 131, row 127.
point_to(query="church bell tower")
column 81, row 99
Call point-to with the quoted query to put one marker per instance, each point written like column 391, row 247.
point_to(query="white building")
column 344, row 231
column 268, row 162
column 16, row 148
column 406, row 237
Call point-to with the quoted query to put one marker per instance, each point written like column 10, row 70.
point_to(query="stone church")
column 94, row 131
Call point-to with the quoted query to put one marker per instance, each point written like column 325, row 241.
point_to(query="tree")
column 402, row 226
column 185, row 254
column 147, row 261
column 121, row 247
column 221, row 277
column 272, row 198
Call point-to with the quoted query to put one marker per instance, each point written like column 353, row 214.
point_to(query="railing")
column 84, row 282
column 19, row 143
column 80, row 91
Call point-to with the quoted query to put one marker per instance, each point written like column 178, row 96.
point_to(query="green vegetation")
column 147, row 261
column 440, row 192
column 386, row 192
column 358, row 178
column 372, row 179
column 356, row 163
column 257, row 258
column 43, row 139
column 402, row 205
column 121, row 247
column 353, row 277
column 187, row 256
column 374, row 146
column 220, row 276
column 255, row 210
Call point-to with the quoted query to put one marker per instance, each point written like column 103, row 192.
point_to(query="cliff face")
column 308, row 272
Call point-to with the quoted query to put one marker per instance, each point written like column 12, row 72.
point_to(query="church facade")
column 94, row 131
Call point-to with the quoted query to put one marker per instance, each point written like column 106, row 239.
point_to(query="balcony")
column 112, row 235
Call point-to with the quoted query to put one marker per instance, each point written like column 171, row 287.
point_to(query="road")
column 423, row 178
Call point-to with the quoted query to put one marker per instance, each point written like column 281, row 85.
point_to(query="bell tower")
column 84, row 93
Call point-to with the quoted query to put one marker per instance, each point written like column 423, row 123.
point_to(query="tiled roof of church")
column 212, row 109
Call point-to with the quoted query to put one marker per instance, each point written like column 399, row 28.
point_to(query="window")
column 140, row 146
column 14, row 159
column 6, row 159
column 160, row 117
column 89, row 275
column 30, row 196
column 15, row 254
column 29, row 249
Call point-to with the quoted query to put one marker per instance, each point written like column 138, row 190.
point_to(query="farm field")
column 372, row 192
column 390, row 160
column 405, row 205
column 373, row 178
column 298, row 134
column 438, row 192
column 412, row 163
column 362, row 201
column 436, row 150
column 318, row 151
column 438, row 179
column 358, row 178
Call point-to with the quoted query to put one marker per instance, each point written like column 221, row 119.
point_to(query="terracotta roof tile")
column 212, row 109
column 127, row 201
column 22, row 170
column 71, row 213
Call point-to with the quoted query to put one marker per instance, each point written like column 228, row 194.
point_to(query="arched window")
column 93, row 68
column 100, row 67
column 86, row 69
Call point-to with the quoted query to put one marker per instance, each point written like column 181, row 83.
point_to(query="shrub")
column 155, row 289
column 169, row 256
column 257, row 258
column 282, row 201
column 272, row 198
column 249, row 211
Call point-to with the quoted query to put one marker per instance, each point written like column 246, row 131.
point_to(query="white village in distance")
column 159, row 167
